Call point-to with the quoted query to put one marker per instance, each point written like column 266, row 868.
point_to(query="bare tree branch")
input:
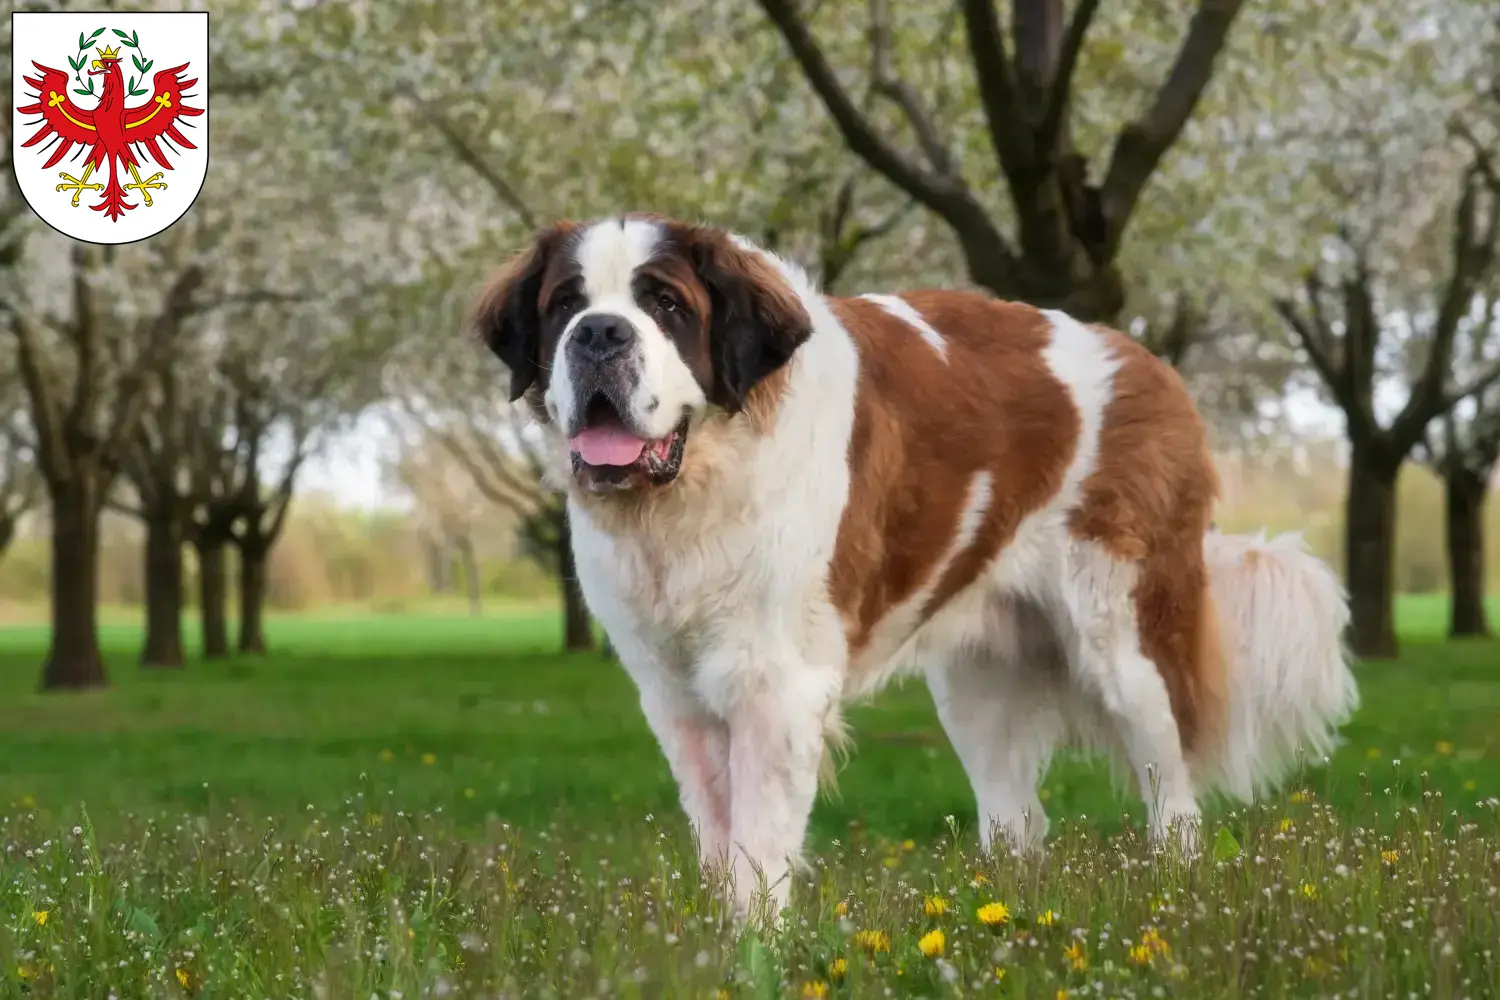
column 1473, row 250
column 1145, row 141
column 937, row 193
column 903, row 94
column 41, row 382
column 1050, row 129
column 1316, row 339
column 499, row 485
column 158, row 337
column 991, row 260
column 997, row 87
column 85, row 333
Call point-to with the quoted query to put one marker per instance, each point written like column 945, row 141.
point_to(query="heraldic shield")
column 109, row 119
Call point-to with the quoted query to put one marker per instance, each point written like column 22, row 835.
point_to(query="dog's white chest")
column 685, row 585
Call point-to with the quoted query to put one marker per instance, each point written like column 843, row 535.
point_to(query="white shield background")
column 168, row 39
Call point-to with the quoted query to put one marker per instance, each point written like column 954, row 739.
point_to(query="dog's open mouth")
column 608, row 455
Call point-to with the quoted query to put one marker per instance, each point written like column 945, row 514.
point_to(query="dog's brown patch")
column 1149, row 501
column 925, row 425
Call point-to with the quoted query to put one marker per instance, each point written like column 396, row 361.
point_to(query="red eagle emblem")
column 112, row 133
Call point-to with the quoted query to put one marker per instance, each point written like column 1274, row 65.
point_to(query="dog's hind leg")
column 1000, row 709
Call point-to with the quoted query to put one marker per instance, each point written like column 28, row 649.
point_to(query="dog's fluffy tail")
column 1282, row 614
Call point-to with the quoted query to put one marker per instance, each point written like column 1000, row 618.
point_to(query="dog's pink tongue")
column 607, row 446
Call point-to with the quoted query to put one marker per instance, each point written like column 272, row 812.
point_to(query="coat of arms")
column 113, row 148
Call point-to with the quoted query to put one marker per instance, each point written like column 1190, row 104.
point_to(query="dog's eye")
column 565, row 304
column 666, row 303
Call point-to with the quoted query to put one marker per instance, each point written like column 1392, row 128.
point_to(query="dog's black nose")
column 602, row 336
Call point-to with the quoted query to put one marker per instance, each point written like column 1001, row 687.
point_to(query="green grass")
column 339, row 813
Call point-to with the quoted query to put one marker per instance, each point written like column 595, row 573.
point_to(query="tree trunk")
column 439, row 569
column 577, row 635
column 1465, row 528
column 73, row 660
column 7, row 533
column 164, row 538
column 213, row 597
column 252, row 597
column 1369, row 553
column 471, row 573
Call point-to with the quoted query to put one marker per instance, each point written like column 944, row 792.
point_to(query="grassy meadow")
column 438, row 806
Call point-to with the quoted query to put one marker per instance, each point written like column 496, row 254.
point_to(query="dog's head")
column 625, row 334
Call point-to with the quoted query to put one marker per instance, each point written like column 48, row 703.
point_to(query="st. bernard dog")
column 781, row 500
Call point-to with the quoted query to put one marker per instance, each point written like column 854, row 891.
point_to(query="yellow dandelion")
column 26, row 970
column 40, row 917
column 1299, row 797
column 891, row 861
column 931, row 944
column 1060, row 995
column 999, row 973
column 1444, row 747
column 814, row 990
column 873, row 941
column 184, row 979
column 1046, row 918
column 838, row 968
column 1076, row 956
column 1157, row 944
column 410, row 933
column 842, row 909
column 993, row 914
column 1284, row 825
column 1140, row 955
column 908, row 845
column 980, row 878
column 468, row 793
column 374, row 819
column 1389, row 857
column 935, row 906
column 386, row 756
column 429, row 759
column 721, row 995
column 1309, row 890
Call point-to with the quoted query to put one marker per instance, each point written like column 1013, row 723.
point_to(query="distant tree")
column 485, row 440
column 86, row 376
column 283, row 393
column 1345, row 331
column 1464, row 450
column 155, row 465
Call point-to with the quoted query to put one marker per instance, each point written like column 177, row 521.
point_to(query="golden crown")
column 108, row 53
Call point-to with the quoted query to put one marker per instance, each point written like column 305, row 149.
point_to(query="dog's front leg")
column 775, row 748
column 696, row 746
column 694, row 741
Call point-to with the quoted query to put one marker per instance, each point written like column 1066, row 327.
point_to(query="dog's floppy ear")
column 507, row 316
column 757, row 320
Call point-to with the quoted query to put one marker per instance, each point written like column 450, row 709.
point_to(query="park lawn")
column 438, row 806
column 477, row 717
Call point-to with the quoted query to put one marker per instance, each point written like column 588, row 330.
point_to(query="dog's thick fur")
column 834, row 491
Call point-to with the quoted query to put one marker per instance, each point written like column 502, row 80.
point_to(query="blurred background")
column 273, row 408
